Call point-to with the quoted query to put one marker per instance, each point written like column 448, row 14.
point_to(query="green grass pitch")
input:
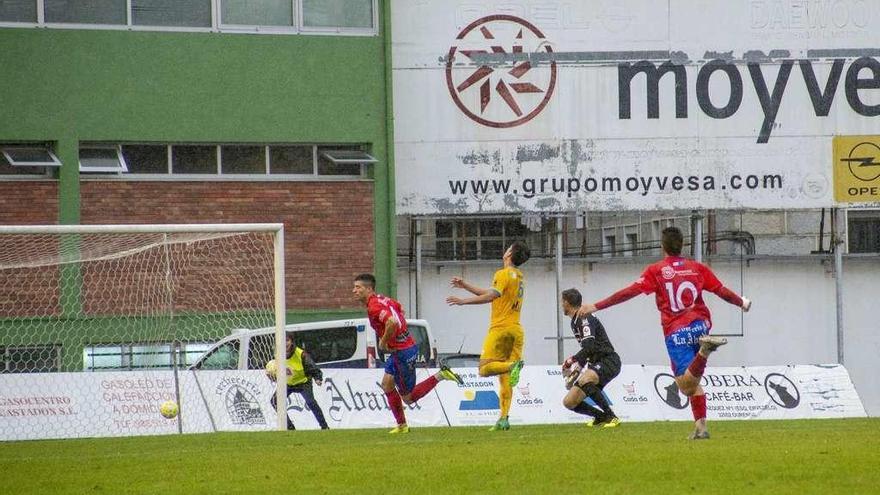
column 773, row 457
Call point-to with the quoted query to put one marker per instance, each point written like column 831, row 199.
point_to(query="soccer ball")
column 169, row 409
column 272, row 370
column 570, row 374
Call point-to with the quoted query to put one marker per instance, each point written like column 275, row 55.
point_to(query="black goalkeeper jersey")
column 593, row 339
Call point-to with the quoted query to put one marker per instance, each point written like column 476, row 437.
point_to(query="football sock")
column 594, row 392
column 698, row 366
column 506, row 394
column 587, row 410
column 495, row 368
column 423, row 388
column 396, row 405
column 698, row 406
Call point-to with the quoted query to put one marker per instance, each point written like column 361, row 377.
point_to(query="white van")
column 332, row 344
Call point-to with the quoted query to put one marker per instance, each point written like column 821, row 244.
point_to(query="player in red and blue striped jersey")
column 678, row 284
column 399, row 381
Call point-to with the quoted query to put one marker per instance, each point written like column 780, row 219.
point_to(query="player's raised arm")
column 481, row 296
column 486, row 297
column 618, row 297
column 459, row 283
column 713, row 285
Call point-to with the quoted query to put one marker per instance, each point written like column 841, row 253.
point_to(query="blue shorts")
column 402, row 366
column 683, row 345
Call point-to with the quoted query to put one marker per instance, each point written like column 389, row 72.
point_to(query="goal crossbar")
column 141, row 228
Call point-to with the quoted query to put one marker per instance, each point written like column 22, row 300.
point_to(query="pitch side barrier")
column 351, row 398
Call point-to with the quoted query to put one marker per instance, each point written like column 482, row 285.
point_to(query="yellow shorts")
column 503, row 344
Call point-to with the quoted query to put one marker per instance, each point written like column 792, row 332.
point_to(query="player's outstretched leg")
column 446, row 373
column 690, row 384
column 515, row 372
column 709, row 344
column 425, row 386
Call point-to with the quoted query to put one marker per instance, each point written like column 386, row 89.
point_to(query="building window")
column 30, row 156
column 193, row 159
column 21, row 11
column 338, row 14
column 171, row 13
column 609, row 245
column 85, row 11
column 476, row 239
column 354, row 17
column 257, row 13
column 115, row 357
column 245, row 160
column 632, row 244
column 342, row 161
column 102, row 159
column 863, row 231
column 297, row 160
column 30, row 359
column 27, row 160
column 146, row 158
column 242, row 159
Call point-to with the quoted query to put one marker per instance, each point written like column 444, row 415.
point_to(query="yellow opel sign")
column 857, row 169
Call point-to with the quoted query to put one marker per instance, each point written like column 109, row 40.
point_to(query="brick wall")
column 28, row 202
column 23, row 292
column 328, row 225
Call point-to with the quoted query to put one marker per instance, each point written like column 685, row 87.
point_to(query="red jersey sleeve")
column 647, row 283
column 713, row 285
column 377, row 314
column 620, row 296
column 710, row 281
column 373, row 309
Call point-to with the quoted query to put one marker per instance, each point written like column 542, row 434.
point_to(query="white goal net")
column 100, row 325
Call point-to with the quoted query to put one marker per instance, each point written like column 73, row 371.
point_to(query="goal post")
column 100, row 324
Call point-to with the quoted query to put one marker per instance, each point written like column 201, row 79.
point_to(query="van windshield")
column 224, row 357
column 327, row 345
column 324, row 345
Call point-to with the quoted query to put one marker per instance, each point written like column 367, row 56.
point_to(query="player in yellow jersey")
column 503, row 346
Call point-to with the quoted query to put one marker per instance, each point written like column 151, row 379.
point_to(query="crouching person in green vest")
column 301, row 369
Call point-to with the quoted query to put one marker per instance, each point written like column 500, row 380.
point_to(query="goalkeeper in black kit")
column 594, row 365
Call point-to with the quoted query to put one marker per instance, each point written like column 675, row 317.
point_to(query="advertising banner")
column 71, row 405
column 857, row 169
column 614, row 105
column 354, row 399
column 649, row 393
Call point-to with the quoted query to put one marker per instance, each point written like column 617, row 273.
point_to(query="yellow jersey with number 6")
column 509, row 283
